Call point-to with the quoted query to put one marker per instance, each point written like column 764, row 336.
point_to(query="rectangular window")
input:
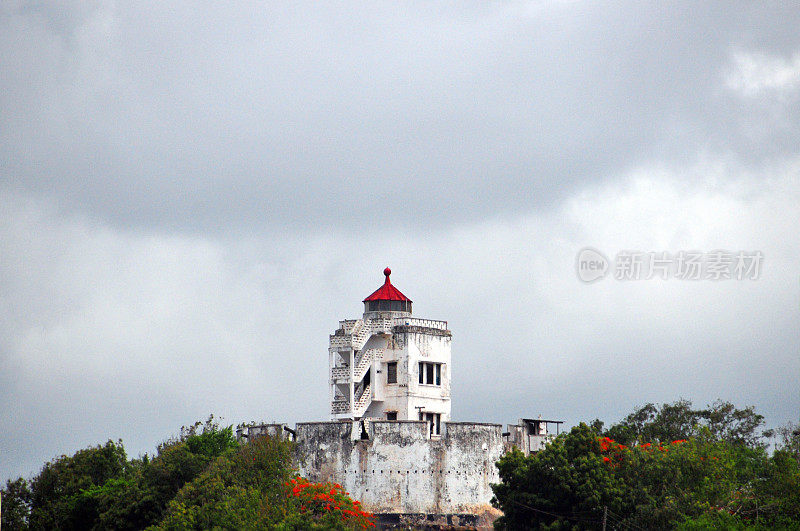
column 434, row 422
column 391, row 415
column 391, row 372
column 430, row 373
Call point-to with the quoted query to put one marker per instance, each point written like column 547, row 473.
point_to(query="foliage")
column 234, row 492
column 98, row 488
column 200, row 479
column 140, row 500
column 57, row 499
column 16, row 500
column 778, row 491
column 253, row 489
column 678, row 468
column 327, row 504
column 567, row 484
column 790, row 439
column 651, row 423
column 669, row 482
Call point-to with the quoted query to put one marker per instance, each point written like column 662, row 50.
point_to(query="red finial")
column 387, row 272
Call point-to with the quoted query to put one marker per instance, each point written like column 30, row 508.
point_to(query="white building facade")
column 391, row 442
column 389, row 365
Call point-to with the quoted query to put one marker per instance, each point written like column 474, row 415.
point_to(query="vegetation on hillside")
column 201, row 479
column 662, row 467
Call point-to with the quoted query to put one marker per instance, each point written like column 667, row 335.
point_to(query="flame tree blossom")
column 328, row 502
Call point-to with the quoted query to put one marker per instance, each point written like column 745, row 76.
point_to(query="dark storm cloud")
column 270, row 117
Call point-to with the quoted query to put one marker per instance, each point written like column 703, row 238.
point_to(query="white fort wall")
column 390, row 442
column 400, row 468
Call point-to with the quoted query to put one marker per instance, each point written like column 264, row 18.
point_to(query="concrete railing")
column 363, row 401
column 425, row 323
column 356, row 333
column 340, row 373
column 340, row 342
column 340, row 406
column 361, row 333
column 363, row 362
column 347, row 325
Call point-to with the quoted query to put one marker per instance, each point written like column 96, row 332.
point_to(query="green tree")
column 777, row 492
column 567, row 484
column 57, row 499
column 98, row 488
column 669, row 422
column 737, row 426
column 16, row 500
column 685, row 479
column 244, row 489
column 720, row 476
column 790, row 439
column 141, row 499
column 253, row 488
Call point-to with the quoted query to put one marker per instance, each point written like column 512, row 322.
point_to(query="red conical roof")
column 387, row 292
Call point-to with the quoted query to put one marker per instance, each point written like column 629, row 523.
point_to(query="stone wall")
column 399, row 468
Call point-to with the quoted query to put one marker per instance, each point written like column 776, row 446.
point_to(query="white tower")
column 390, row 365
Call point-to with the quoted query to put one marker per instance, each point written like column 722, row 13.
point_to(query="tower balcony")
column 340, row 373
column 340, row 406
column 363, row 397
column 363, row 362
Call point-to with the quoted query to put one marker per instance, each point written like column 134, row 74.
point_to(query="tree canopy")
column 200, row 479
column 661, row 467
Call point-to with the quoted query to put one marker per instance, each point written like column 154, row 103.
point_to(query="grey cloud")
column 214, row 118
column 192, row 195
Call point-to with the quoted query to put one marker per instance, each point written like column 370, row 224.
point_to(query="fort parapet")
column 397, row 467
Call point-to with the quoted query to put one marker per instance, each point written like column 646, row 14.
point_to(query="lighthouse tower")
column 389, row 365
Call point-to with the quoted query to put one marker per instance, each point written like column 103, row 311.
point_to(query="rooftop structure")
column 389, row 365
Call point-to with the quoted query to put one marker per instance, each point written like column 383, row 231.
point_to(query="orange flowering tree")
column 328, row 504
column 255, row 488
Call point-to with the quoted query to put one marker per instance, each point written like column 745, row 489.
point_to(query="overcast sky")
column 192, row 196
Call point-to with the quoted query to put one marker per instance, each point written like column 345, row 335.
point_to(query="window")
column 430, row 373
column 391, row 415
column 388, row 306
column 434, row 422
column 391, row 372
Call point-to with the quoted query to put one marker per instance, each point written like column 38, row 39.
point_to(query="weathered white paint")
column 398, row 466
column 400, row 469
column 358, row 356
